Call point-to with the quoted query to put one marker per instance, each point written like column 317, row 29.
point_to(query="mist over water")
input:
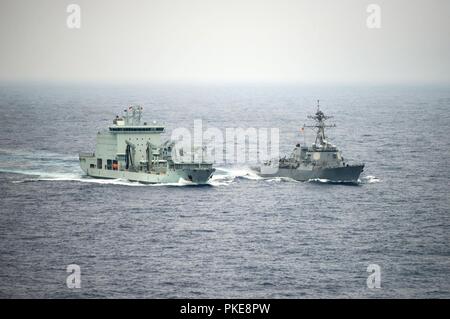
column 242, row 235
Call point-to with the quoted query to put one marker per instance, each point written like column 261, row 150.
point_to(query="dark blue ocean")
column 241, row 236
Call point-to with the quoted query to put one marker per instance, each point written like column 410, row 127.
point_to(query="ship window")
column 136, row 129
column 99, row 163
column 92, row 166
column 108, row 164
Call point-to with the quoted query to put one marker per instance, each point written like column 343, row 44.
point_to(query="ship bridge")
column 137, row 129
column 130, row 122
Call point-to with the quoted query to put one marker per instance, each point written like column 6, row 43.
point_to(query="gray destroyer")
column 133, row 151
column 320, row 161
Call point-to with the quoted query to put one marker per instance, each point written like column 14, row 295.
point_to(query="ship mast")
column 320, row 125
column 133, row 115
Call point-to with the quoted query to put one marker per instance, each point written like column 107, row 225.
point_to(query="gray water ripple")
column 242, row 237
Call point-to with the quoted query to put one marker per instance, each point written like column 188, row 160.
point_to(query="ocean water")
column 242, row 236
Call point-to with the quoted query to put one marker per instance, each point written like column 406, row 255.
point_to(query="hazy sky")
column 314, row 41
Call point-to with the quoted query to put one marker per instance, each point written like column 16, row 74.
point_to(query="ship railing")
column 181, row 165
column 86, row 154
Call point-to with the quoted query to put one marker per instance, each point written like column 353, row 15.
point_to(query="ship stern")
column 86, row 161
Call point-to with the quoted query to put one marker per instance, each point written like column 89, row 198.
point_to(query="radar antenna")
column 320, row 125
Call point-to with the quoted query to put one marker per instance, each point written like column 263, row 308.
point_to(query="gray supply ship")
column 320, row 161
column 133, row 151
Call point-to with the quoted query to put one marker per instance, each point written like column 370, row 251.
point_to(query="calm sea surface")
column 241, row 236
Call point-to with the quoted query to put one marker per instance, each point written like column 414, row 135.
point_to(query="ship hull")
column 196, row 176
column 345, row 174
